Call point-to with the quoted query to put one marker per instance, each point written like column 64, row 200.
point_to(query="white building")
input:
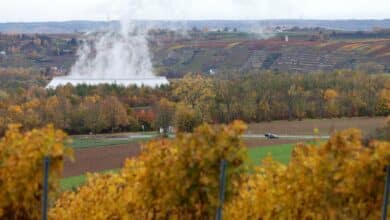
column 153, row 81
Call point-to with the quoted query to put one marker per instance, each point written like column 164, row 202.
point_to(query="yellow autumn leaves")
column 171, row 179
column 21, row 169
column 340, row 179
column 179, row 179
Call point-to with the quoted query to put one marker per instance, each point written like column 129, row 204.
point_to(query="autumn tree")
column 383, row 104
column 330, row 96
column 113, row 113
column 186, row 119
column 93, row 115
column 58, row 111
column 165, row 113
column 340, row 179
column 171, row 179
column 196, row 91
column 296, row 102
column 21, row 173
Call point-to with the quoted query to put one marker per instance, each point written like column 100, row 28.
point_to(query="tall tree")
column 113, row 113
column 197, row 91
column 165, row 111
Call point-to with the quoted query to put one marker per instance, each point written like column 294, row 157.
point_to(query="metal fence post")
column 386, row 194
column 46, row 165
column 222, row 183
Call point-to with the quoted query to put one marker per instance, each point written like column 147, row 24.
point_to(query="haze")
column 48, row 10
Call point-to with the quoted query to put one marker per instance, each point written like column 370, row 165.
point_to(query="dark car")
column 271, row 136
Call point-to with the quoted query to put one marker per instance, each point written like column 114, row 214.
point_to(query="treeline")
column 269, row 96
column 196, row 98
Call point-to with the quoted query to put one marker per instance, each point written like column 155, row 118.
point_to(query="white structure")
column 286, row 38
column 152, row 81
column 3, row 53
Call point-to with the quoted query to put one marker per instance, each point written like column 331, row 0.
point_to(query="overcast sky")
column 60, row 10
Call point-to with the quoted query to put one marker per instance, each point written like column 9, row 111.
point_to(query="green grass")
column 281, row 153
column 93, row 142
column 71, row 183
column 83, row 143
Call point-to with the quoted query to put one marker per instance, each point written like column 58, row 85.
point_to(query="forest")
column 187, row 102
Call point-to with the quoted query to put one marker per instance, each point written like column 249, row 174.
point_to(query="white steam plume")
column 125, row 54
column 114, row 54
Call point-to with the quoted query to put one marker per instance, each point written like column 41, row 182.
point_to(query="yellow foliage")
column 21, row 169
column 178, row 179
column 172, row 179
column 15, row 109
column 34, row 103
column 198, row 92
column 330, row 94
column 92, row 99
column 98, row 199
column 341, row 179
column 385, row 96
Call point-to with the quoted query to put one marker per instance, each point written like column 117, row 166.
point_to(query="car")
column 271, row 136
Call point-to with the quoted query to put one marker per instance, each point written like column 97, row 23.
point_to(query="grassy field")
column 94, row 142
column 71, row 183
column 280, row 153
column 84, row 143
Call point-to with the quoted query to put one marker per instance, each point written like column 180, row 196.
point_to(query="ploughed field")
column 95, row 159
column 108, row 152
column 325, row 126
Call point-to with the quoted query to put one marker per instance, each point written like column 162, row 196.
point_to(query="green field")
column 95, row 142
column 84, row 143
column 71, row 183
column 280, row 153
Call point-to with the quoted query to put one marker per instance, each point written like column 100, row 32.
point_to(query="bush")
column 341, row 179
column 186, row 119
column 172, row 179
column 21, row 169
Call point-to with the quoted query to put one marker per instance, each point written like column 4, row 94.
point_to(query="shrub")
column 341, row 179
column 21, row 169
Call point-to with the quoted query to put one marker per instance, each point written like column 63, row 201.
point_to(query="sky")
column 62, row 10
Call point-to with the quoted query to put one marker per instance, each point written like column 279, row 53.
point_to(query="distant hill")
column 57, row 27
column 87, row 26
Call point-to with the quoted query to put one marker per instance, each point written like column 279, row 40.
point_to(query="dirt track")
column 112, row 157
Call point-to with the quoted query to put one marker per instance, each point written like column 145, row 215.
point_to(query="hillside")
column 211, row 51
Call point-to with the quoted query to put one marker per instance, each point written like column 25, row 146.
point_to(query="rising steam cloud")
column 120, row 54
column 115, row 54
column 124, row 54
